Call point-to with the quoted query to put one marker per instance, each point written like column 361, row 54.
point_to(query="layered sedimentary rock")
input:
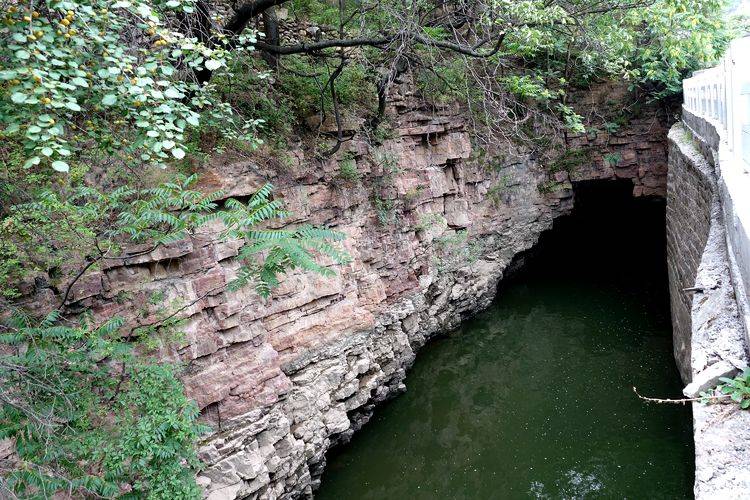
column 431, row 225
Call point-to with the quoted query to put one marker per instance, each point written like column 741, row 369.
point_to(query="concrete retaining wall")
column 708, row 303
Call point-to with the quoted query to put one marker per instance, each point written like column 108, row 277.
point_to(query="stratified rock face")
column 281, row 381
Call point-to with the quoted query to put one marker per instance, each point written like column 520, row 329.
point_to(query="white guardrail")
column 722, row 94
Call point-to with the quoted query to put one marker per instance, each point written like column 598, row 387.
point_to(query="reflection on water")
column 572, row 485
column 533, row 398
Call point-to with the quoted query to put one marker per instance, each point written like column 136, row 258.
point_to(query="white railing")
column 722, row 94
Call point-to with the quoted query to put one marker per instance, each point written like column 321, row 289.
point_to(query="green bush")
column 355, row 89
column 348, row 170
column 90, row 416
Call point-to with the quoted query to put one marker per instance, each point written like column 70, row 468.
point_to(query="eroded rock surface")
column 431, row 228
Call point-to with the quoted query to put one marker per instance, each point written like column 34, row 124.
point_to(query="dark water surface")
column 533, row 398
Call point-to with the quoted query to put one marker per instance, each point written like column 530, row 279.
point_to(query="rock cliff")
column 431, row 227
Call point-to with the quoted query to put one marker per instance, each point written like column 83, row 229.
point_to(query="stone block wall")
column 691, row 196
column 708, row 327
column 635, row 151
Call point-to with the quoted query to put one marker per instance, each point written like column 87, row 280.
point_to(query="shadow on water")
column 533, row 397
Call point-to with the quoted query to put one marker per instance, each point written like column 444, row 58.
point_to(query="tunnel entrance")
column 610, row 230
column 533, row 397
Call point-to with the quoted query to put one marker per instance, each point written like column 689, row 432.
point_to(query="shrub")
column 348, row 170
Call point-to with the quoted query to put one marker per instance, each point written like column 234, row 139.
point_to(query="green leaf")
column 178, row 153
column 213, row 64
column 109, row 99
column 32, row 161
column 18, row 98
column 79, row 82
column 47, row 151
column 22, row 54
column 72, row 106
column 173, row 93
column 60, row 166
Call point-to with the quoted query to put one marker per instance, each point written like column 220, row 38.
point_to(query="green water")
column 533, row 398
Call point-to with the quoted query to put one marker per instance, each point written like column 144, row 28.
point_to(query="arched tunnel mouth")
column 533, row 397
column 609, row 229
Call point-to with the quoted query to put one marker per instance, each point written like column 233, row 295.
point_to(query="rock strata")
column 431, row 227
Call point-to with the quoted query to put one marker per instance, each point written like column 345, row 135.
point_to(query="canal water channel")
column 533, row 397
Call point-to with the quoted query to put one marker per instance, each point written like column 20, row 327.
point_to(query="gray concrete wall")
column 733, row 190
column 707, row 311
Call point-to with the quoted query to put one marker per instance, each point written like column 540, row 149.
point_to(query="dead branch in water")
column 681, row 401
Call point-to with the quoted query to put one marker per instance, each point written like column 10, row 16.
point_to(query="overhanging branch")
column 378, row 42
column 248, row 11
column 306, row 48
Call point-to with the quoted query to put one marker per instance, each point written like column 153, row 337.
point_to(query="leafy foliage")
column 271, row 252
column 570, row 160
column 110, row 74
column 348, row 170
column 678, row 36
column 456, row 249
column 353, row 87
column 385, row 208
column 88, row 220
column 102, row 90
column 61, row 227
column 91, row 417
column 652, row 44
column 497, row 192
column 518, row 90
column 737, row 388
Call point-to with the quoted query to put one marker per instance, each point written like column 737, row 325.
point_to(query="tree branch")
column 246, row 12
column 305, row 48
column 682, row 400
